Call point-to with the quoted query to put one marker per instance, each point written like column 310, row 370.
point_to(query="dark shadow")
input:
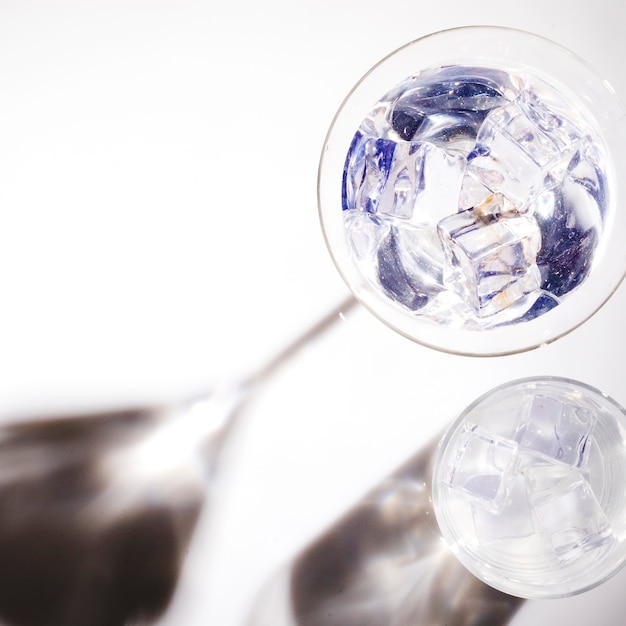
column 88, row 537
column 384, row 563
column 75, row 551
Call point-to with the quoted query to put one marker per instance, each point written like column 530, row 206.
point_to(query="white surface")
column 159, row 231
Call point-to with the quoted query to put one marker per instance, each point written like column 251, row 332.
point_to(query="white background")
column 159, row 231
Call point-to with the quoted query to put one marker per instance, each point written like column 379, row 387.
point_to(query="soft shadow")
column 97, row 510
column 384, row 563
column 83, row 543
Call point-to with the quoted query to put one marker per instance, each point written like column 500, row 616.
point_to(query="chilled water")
column 567, row 511
column 556, row 429
column 530, row 484
column 475, row 197
column 536, row 480
column 485, row 467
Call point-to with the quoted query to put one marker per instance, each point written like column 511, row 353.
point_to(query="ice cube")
column 483, row 467
column 547, row 111
column 567, row 511
column 368, row 167
column 421, row 254
column 446, row 106
column 530, row 138
column 407, row 181
column 567, row 250
column 513, row 521
column 517, row 157
column 583, row 191
column 584, row 208
column 556, row 430
column 409, row 267
column 491, row 251
column 422, row 185
column 365, row 232
column 450, row 310
column 471, row 91
column 473, row 192
column 440, row 175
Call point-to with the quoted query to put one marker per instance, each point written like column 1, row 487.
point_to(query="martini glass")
column 469, row 191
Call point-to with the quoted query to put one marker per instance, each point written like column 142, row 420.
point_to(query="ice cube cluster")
column 475, row 196
column 529, row 483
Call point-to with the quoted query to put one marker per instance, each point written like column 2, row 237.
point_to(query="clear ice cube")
column 446, row 106
column 367, row 170
column 421, row 254
column 513, row 521
column 473, row 192
column 556, row 430
column 394, row 278
column 567, row 511
column 516, row 156
column 439, row 180
column 365, row 233
column 567, row 250
column 483, row 467
column 547, row 111
column 409, row 265
column 571, row 218
column 448, row 140
column 418, row 181
column 491, row 253
column 585, row 210
column 398, row 194
column 448, row 308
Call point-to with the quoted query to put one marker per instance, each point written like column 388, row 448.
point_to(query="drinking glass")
column 470, row 190
column 529, row 487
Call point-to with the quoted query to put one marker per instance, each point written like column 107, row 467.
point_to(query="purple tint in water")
column 450, row 140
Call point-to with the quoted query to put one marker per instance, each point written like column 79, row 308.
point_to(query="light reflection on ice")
column 448, row 141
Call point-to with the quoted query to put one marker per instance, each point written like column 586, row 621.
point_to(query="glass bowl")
column 468, row 190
